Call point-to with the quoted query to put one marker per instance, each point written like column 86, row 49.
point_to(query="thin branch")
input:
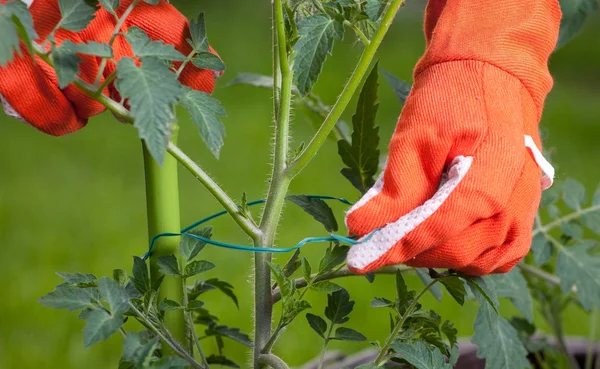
column 301, row 282
column 359, row 33
column 185, row 62
column 273, row 361
column 567, row 218
column 537, row 272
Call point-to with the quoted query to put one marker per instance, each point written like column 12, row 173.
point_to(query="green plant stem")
column 189, row 321
column 162, row 202
column 400, row 324
column 107, row 81
column 363, row 38
column 173, row 345
column 301, row 282
column 589, row 358
column 325, row 346
column 355, row 80
column 185, row 62
column 539, row 273
column 565, row 219
column 273, row 361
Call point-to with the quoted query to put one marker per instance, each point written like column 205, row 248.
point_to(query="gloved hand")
column 29, row 91
column 473, row 114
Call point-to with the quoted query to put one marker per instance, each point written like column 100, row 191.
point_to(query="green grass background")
column 76, row 203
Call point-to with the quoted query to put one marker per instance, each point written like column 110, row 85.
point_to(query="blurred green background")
column 76, row 203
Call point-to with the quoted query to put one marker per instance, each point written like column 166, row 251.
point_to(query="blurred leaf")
column 76, row 14
column 140, row 278
column 306, row 269
column 374, row 9
column 114, row 294
column 436, row 289
column 421, row 356
column 378, row 302
column 231, row 333
column 68, row 298
column 486, row 290
column 497, row 341
column 195, row 305
column 514, row 286
column 120, row 276
column 362, row 155
column 100, row 326
column 205, row 112
column 143, row 46
column 450, row 332
column 169, row 305
column 252, row 79
column 170, row 362
column 348, row 334
column 400, row 87
column 110, row 5
column 325, row 286
column 152, row 90
column 15, row 23
column 197, row 267
column 591, row 220
column 168, row 265
column 208, row 61
column 542, row 249
column 137, row 351
column 210, row 284
column 189, row 247
column 338, row 307
column 318, row 209
column 66, row 64
column 574, row 14
column 78, row 279
column 199, row 39
column 317, row 34
column 317, row 323
column 575, row 266
column 455, row 287
column 292, row 265
column 574, row 194
column 334, row 256
column 221, row 360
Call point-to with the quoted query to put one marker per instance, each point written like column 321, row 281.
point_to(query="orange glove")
column 30, row 91
column 473, row 114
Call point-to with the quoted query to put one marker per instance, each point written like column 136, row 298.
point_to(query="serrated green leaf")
column 542, row 249
column 152, row 2
column 325, row 286
column 450, row 332
column 208, row 61
column 69, row 298
column 574, row 14
column 78, row 279
column 379, row 302
column 374, row 9
column 317, row 34
column 168, row 265
column 338, row 307
column 455, row 287
column 317, row 323
column 574, row 194
column 66, row 63
column 514, row 286
column 221, row 360
column 197, row 267
column 318, row 209
column 15, row 12
column 140, row 278
column 138, row 352
column 436, row 289
column 152, row 90
column 252, row 79
column 120, row 276
column 100, row 326
column 189, row 247
column 596, row 198
column 195, row 305
column 213, row 283
column 348, row 334
column 591, row 220
column 400, row 87
column 170, row 362
column 76, row 14
column 199, row 39
column 575, row 266
column 401, row 288
column 362, row 155
column 334, row 256
column 205, row 112
column 111, row 5
column 115, row 295
column 169, row 305
column 292, row 264
column 497, row 341
column 143, row 46
column 231, row 333
column 420, row 355
column 484, row 290
column 306, row 269
column 572, row 229
column 9, row 42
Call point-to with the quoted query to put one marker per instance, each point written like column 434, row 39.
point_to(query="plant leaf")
column 189, row 247
column 591, row 220
column 318, row 209
column 231, row 333
column 484, row 289
column 325, row 286
column 421, row 356
column 401, row 88
column 205, row 112
column 209, row 61
column 78, row 279
column 333, row 257
column 197, row 267
column 450, row 332
column 317, row 323
column 72, row 299
column 76, row 14
column 542, row 249
column 317, row 34
column 338, row 307
column 140, row 278
column 436, row 289
column 348, row 334
column 111, row 6
column 199, row 39
column 221, row 360
column 574, row 194
column 100, row 326
column 306, row 270
column 497, row 341
column 455, row 287
column 169, row 305
column 152, row 90
column 574, row 12
column 575, row 266
column 374, row 9
column 168, row 265
column 115, row 295
column 143, row 46
column 514, row 286
column 362, row 155
column 292, row 264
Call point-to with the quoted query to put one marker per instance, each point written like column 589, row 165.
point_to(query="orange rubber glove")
column 29, row 91
column 472, row 115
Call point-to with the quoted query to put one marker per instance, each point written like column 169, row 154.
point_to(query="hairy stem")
column 336, row 112
column 272, row 361
column 363, row 38
column 398, row 327
column 162, row 202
